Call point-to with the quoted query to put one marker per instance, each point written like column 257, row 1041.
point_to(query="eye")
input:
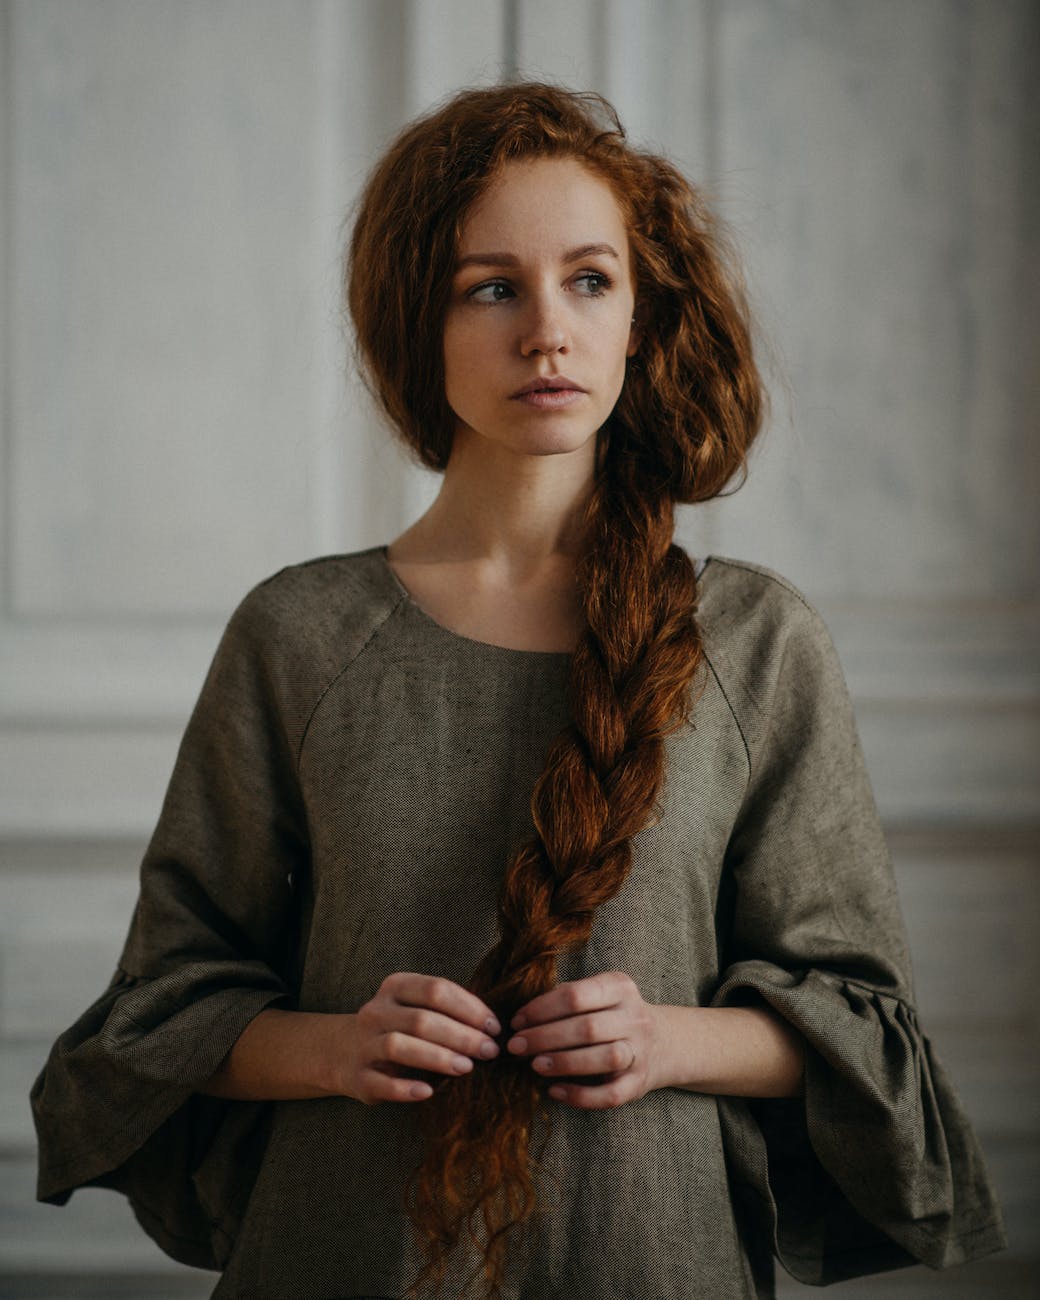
column 488, row 292
column 596, row 282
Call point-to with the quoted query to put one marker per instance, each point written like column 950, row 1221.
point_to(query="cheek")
column 462, row 339
column 454, row 352
column 463, row 362
column 620, row 337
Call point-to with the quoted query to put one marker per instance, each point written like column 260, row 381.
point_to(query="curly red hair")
column 691, row 405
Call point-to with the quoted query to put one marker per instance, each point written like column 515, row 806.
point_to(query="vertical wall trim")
column 7, row 106
column 510, row 40
column 712, row 90
column 328, row 486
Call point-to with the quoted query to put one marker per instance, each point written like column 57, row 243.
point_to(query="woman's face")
column 542, row 291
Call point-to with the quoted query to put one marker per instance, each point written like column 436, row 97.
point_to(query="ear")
column 635, row 337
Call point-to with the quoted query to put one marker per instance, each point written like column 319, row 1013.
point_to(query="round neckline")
column 418, row 611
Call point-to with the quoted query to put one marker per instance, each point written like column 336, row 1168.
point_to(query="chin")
column 546, row 438
column 559, row 446
column 549, row 440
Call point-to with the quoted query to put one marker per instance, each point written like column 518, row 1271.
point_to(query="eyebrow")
column 507, row 259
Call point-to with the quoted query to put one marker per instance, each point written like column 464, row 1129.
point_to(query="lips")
column 550, row 384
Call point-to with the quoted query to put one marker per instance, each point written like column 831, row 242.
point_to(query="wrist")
column 285, row 1055
column 682, row 1048
column 729, row 1051
column 328, row 1060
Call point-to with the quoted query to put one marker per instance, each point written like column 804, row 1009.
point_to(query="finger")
column 397, row 1048
column 571, row 998
column 608, row 1058
column 575, row 1031
column 433, row 1027
column 444, row 995
column 378, row 1086
column 605, row 1097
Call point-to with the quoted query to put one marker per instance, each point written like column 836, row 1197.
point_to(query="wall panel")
column 161, row 326
column 889, row 182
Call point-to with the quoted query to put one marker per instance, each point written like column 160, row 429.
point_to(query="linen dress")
column 346, row 795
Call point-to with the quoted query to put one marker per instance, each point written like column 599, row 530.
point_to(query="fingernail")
column 519, row 1020
column 492, row 1025
column 488, row 1050
column 518, row 1044
column 542, row 1062
column 462, row 1063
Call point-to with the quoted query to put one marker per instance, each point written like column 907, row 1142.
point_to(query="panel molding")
column 982, row 653
column 947, row 699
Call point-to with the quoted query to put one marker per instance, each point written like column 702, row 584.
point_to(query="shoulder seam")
column 339, row 673
column 732, row 710
column 769, row 575
column 317, row 559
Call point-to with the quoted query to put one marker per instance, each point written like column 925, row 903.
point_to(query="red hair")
column 691, row 405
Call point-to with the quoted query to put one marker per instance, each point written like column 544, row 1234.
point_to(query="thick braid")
column 629, row 687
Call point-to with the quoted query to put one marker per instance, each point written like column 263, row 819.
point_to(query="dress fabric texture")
column 345, row 798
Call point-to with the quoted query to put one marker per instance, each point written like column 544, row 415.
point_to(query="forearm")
column 730, row 1051
column 283, row 1056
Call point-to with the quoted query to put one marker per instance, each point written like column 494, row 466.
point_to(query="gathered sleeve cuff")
column 876, row 1166
column 133, row 1060
column 214, row 939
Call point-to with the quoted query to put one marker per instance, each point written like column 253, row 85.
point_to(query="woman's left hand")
column 594, row 1026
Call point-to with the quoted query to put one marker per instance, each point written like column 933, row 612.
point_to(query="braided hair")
column 691, row 405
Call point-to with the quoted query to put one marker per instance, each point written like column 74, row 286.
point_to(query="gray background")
column 178, row 422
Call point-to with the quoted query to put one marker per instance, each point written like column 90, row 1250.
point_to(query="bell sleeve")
column 209, row 946
column 876, row 1166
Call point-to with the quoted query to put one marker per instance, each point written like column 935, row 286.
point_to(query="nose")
column 544, row 329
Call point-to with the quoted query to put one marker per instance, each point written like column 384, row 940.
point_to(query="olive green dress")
column 347, row 793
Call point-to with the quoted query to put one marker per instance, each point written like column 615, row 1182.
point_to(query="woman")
column 633, row 1033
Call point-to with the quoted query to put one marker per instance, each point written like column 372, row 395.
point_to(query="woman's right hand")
column 417, row 1022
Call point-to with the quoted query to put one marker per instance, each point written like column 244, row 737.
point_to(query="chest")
column 544, row 616
column 418, row 775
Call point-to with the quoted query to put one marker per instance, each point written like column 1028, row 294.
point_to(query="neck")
column 512, row 513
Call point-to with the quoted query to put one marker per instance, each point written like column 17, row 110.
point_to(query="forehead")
column 543, row 205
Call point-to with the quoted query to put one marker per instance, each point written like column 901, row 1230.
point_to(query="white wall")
column 177, row 424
